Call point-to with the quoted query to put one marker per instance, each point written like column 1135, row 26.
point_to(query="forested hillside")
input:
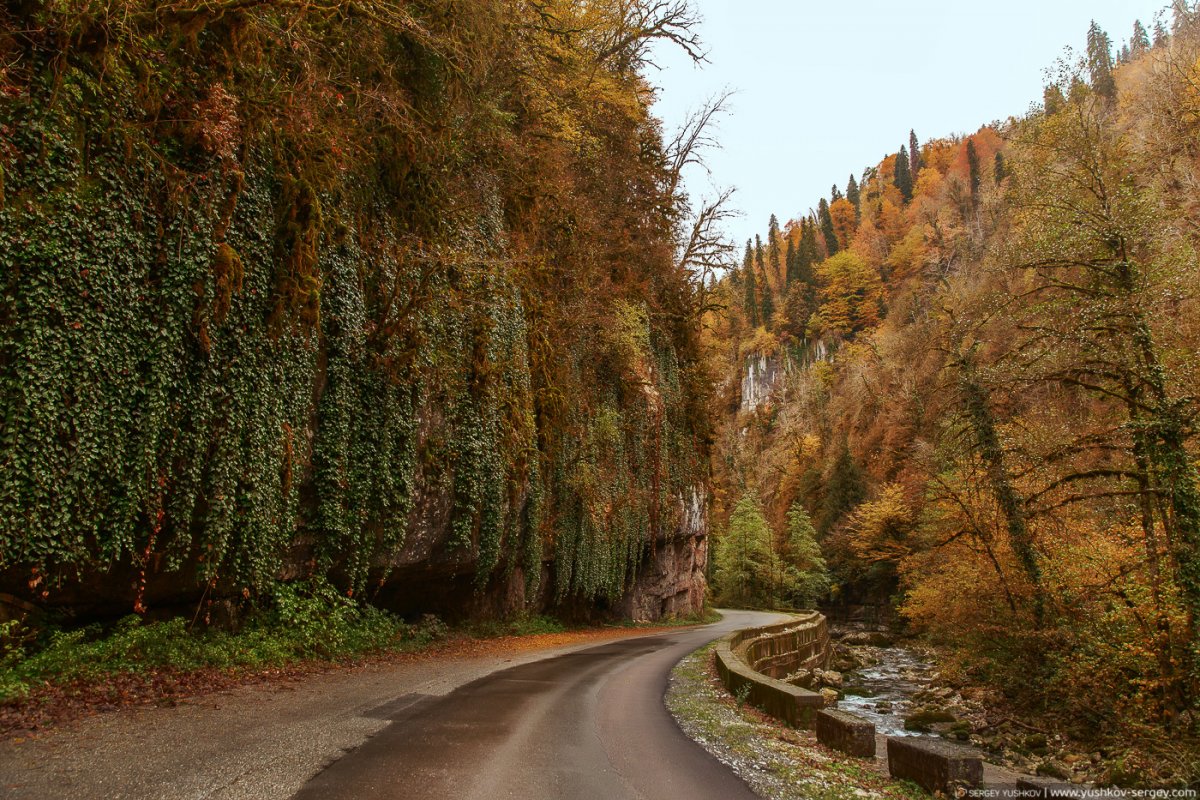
column 384, row 294
column 971, row 375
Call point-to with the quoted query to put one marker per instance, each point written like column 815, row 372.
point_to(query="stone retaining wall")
column 750, row 662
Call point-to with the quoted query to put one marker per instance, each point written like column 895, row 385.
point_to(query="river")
column 884, row 692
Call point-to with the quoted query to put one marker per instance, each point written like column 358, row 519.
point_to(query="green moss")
column 926, row 718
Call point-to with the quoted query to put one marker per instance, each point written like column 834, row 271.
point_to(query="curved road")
column 588, row 724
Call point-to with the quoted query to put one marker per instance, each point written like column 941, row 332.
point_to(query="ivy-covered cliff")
column 380, row 292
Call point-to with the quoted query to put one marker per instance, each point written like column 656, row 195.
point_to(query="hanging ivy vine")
column 228, row 337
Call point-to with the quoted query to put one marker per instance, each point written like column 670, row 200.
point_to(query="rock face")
column 671, row 580
column 425, row 577
column 762, row 374
column 758, row 380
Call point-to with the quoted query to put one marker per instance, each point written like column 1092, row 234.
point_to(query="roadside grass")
column 778, row 762
column 297, row 623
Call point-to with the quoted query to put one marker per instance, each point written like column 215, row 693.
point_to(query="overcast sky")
column 823, row 89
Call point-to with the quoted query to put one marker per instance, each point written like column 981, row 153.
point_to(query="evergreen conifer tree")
column 806, row 576
column 854, row 196
column 914, row 155
column 843, row 491
column 827, row 232
column 904, row 181
column 750, row 301
column 767, row 304
column 789, row 262
column 973, row 169
column 1160, row 33
column 744, row 561
column 808, row 253
column 773, row 246
column 1139, row 43
column 998, row 168
column 1099, row 62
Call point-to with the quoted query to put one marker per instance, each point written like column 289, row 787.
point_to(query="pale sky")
column 825, row 88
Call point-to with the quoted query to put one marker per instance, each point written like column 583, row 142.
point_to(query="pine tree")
column 998, row 168
column 914, row 155
column 767, row 306
column 843, row 491
column 744, row 561
column 835, row 194
column 827, row 232
column 806, row 576
column 1140, row 42
column 809, row 253
column 973, row 169
column 766, row 302
column 748, row 282
column 904, row 181
column 789, row 261
column 855, row 197
column 1160, row 33
column 773, row 246
column 1099, row 62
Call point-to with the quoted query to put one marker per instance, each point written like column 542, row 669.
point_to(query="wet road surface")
column 588, row 724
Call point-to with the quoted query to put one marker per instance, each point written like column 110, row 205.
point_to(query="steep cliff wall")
column 402, row 314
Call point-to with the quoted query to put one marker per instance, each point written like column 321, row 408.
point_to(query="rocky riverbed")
column 896, row 684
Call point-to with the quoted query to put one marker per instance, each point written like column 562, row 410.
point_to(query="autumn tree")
column 851, row 295
column 1053, row 99
column 1091, row 243
column 843, row 218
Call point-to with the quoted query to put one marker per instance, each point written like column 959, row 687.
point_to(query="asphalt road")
column 590, row 724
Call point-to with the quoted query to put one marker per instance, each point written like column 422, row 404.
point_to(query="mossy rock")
column 960, row 730
column 1050, row 769
column 924, row 720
